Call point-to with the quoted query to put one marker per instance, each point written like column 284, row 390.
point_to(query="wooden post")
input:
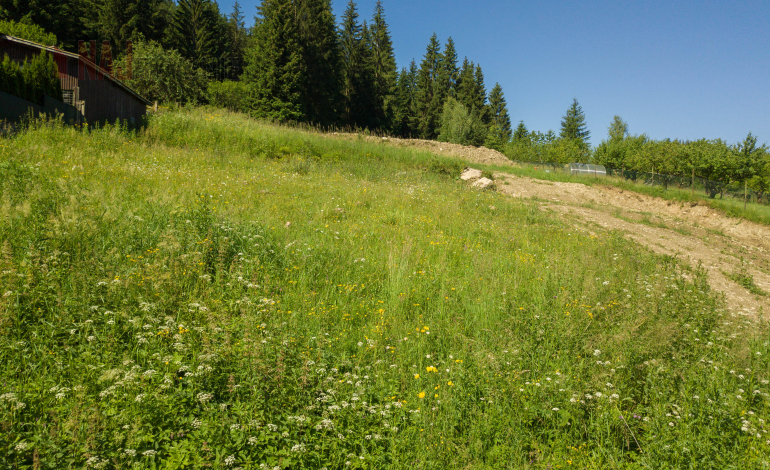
column 745, row 191
column 155, row 107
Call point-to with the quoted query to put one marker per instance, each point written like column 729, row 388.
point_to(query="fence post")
column 745, row 191
column 692, row 187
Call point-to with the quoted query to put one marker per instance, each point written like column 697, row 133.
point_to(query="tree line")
column 298, row 63
column 295, row 64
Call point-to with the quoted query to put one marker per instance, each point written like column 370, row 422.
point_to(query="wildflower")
column 421, row 395
column 149, row 453
column 204, row 397
column 554, row 409
column 597, row 352
column 21, row 446
column 129, row 452
column 229, row 461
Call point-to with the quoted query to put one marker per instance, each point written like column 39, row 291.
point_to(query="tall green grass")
column 213, row 292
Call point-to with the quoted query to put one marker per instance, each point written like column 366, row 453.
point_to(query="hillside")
column 218, row 292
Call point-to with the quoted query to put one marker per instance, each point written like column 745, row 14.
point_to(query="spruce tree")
column 428, row 97
column 521, row 132
column 320, row 88
column 122, row 20
column 355, row 67
column 274, row 64
column 195, row 31
column 480, row 96
column 573, row 124
column 292, row 65
column 405, row 120
column 449, row 72
column 500, row 122
column 237, row 38
column 384, row 67
column 466, row 85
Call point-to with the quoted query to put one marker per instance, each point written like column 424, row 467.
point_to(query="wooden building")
column 90, row 89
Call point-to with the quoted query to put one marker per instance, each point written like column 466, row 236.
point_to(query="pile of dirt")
column 481, row 155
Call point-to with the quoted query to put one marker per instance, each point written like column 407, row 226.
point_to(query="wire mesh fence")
column 694, row 184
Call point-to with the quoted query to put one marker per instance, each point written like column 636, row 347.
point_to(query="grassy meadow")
column 215, row 292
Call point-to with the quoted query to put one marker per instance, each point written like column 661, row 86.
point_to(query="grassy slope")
column 218, row 292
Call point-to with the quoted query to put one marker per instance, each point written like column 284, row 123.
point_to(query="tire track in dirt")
column 722, row 245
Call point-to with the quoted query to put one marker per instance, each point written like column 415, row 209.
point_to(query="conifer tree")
column 123, row 20
column 237, row 37
column 500, row 122
column 274, row 64
column 292, row 64
column 405, row 119
column 480, row 96
column 320, row 89
column 384, row 67
column 356, row 69
column 428, row 97
column 449, row 71
column 573, row 124
column 521, row 132
column 195, row 31
column 466, row 85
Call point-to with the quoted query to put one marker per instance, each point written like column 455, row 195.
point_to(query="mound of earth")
column 468, row 153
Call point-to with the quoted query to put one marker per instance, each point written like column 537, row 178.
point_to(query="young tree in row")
column 618, row 129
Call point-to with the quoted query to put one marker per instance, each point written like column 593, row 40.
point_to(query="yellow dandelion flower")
column 416, row 376
column 421, row 395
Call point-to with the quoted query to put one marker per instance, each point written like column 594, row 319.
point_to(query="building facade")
column 94, row 92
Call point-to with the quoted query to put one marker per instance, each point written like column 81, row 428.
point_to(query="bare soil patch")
column 722, row 245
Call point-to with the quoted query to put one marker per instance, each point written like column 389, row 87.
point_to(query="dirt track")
column 691, row 232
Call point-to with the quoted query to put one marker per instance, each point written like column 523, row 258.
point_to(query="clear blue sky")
column 676, row 69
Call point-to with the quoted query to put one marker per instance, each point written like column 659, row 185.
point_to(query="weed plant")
column 214, row 292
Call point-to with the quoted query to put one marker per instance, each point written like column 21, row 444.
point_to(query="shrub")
column 164, row 75
column 30, row 32
column 37, row 78
column 459, row 126
column 229, row 94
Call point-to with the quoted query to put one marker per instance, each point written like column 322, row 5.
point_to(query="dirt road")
column 726, row 247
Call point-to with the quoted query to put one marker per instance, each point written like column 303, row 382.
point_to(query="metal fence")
column 695, row 185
